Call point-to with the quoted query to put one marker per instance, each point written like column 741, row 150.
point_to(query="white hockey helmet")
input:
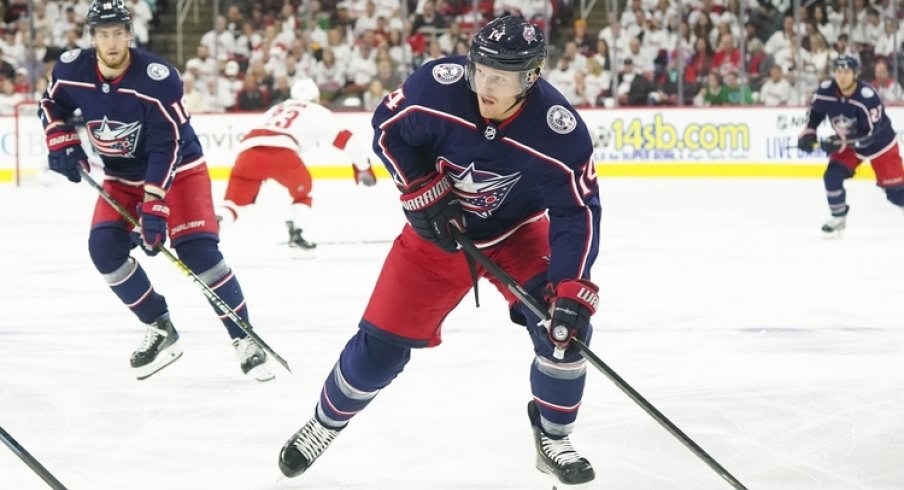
column 305, row 89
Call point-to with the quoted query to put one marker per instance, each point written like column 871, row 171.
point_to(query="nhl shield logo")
column 114, row 138
column 448, row 73
column 530, row 35
column 561, row 120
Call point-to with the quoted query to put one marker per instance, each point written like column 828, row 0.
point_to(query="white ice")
column 778, row 352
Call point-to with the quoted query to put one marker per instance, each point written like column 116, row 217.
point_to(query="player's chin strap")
column 534, row 305
column 523, row 95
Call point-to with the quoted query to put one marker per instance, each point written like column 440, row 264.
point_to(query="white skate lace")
column 559, row 450
column 246, row 348
column 313, row 439
column 150, row 336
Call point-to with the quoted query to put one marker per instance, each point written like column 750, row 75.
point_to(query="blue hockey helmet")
column 846, row 61
column 508, row 44
column 108, row 12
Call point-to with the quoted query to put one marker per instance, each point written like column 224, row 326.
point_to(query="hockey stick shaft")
column 468, row 246
column 32, row 463
column 211, row 295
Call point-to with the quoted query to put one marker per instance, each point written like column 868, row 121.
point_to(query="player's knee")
column 109, row 248
column 200, row 254
column 895, row 195
column 835, row 175
column 370, row 363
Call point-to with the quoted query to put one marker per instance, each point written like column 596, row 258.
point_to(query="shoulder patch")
column 825, row 84
column 561, row 120
column 158, row 72
column 70, row 56
column 867, row 92
column 448, row 73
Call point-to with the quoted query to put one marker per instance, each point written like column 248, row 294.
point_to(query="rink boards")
column 636, row 142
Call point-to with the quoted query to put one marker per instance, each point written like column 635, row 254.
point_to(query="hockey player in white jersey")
column 274, row 149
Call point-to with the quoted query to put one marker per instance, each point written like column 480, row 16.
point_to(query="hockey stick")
column 30, row 460
column 211, row 295
column 518, row 290
column 348, row 242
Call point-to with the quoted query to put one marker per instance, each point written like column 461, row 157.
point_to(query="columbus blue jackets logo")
column 114, row 138
column 844, row 126
column 479, row 192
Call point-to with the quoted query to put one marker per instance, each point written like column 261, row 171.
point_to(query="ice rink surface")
column 778, row 352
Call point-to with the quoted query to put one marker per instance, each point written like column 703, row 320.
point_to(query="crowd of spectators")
column 705, row 52
column 356, row 51
column 652, row 52
column 59, row 25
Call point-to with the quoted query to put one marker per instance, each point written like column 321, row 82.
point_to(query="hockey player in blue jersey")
column 131, row 106
column 483, row 144
column 863, row 131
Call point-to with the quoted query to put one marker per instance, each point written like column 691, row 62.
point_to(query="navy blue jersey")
column 860, row 116
column 505, row 175
column 137, row 123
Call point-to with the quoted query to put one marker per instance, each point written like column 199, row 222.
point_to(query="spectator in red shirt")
column 728, row 58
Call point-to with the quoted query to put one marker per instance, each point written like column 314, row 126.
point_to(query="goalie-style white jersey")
column 300, row 126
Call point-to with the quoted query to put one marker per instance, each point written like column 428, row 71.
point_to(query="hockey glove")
column 431, row 208
column 807, row 142
column 833, row 144
column 572, row 304
column 152, row 218
column 366, row 176
column 66, row 153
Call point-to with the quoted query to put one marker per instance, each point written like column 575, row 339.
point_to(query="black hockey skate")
column 557, row 456
column 295, row 238
column 158, row 349
column 252, row 359
column 305, row 446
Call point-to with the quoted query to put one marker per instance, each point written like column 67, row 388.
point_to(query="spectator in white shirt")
column 230, row 84
column 565, row 79
column 578, row 60
column 330, row 77
column 337, row 43
column 63, row 24
column 205, row 65
column 374, row 95
column 9, row 98
column 872, row 28
column 828, row 29
column 367, row 20
column 885, row 46
column 776, row 91
column 219, row 40
column 141, row 19
column 889, row 90
column 247, row 42
column 642, row 58
column 781, row 39
column 361, row 68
